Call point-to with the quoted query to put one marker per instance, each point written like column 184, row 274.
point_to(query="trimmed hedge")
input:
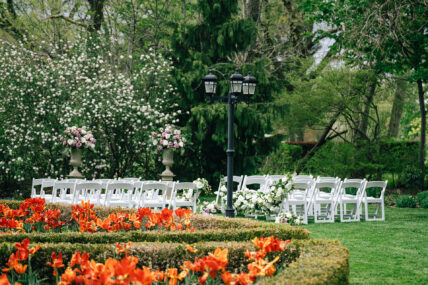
column 320, row 262
column 154, row 255
column 238, row 234
column 307, row 261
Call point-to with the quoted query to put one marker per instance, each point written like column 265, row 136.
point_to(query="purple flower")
column 64, row 143
column 79, row 144
column 176, row 145
column 74, row 143
column 160, row 148
column 170, row 144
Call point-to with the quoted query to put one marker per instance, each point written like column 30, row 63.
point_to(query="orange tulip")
column 69, row 276
column 12, row 262
column 19, row 268
column 33, row 250
column 56, row 262
column 191, row 249
column 226, row 277
column 4, row 280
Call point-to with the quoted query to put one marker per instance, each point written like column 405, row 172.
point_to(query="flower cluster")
column 203, row 186
column 33, row 216
column 210, row 269
column 85, row 216
column 210, row 208
column 17, row 270
column 30, row 216
column 79, row 83
column 265, row 201
column 78, row 137
column 288, row 218
column 168, row 138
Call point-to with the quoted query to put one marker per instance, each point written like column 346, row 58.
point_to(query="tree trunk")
column 96, row 11
column 423, row 133
column 252, row 9
column 397, row 107
column 322, row 140
column 366, row 112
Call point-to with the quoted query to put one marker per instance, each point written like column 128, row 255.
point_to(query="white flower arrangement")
column 288, row 218
column 209, row 208
column 78, row 137
column 203, row 186
column 265, row 201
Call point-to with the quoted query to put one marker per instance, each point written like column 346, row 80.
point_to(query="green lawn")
column 390, row 252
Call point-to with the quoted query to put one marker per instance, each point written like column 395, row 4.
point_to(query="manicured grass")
column 390, row 252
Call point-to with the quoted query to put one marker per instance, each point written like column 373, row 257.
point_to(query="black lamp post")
column 238, row 85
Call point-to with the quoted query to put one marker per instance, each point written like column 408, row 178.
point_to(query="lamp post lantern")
column 238, row 84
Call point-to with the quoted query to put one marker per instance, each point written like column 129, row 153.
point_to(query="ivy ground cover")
column 390, row 252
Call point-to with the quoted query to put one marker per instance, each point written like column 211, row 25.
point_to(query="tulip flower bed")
column 162, row 247
column 32, row 216
column 210, row 268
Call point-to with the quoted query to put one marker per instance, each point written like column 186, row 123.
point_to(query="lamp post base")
column 230, row 212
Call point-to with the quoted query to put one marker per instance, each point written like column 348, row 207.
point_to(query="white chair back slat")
column 190, row 195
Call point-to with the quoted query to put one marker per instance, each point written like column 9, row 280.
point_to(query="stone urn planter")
column 76, row 161
column 168, row 161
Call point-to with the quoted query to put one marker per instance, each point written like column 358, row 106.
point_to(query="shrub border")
column 320, row 262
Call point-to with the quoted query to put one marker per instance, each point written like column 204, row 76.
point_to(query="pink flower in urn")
column 177, row 132
column 64, row 143
column 74, row 143
column 154, row 134
column 160, row 148
column 176, row 145
column 170, row 144
column 79, row 144
column 168, row 131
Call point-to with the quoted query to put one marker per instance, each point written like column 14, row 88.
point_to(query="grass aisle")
column 391, row 252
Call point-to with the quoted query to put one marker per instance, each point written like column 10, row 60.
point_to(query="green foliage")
column 366, row 160
column 406, row 201
column 282, row 160
column 422, row 196
column 320, row 262
column 424, row 203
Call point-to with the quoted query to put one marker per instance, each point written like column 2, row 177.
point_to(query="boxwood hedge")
column 320, row 262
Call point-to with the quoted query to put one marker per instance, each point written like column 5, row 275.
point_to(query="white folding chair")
column 46, row 183
column 367, row 200
column 154, row 195
column 63, row 192
column 298, row 203
column 324, row 201
column 118, row 193
column 302, row 178
column 354, row 200
column 236, row 179
column 87, row 191
column 255, row 184
column 36, row 183
column 185, row 194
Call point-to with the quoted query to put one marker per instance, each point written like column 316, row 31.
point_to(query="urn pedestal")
column 76, row 161
column 168, row 161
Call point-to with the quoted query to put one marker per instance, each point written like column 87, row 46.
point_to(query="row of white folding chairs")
column 124, row 193
column 310, row 197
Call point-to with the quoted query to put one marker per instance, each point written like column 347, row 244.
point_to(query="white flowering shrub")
column 42, row 95
column 266, row 201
